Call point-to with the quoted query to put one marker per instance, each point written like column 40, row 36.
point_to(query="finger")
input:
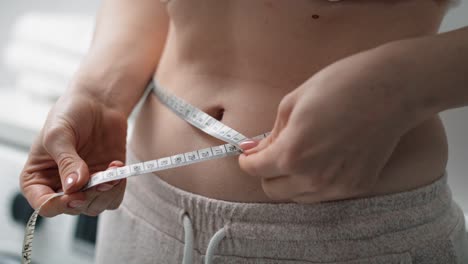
column 102, row 195
column 248, row 144
column 342, row 187
column 262, row 163
column 60, row 144
column 253, row 146
column 68, row 204
column 284, row 111
column 118, row 200
column 72, row 204
column 109, row 200
column 115, row 164
column 112, row 165
column 290, row 186
column 263, row 159
column 37, row 188
column 267, row 158
column 274, row 188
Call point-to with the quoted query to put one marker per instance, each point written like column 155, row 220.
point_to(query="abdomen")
column 240, row 58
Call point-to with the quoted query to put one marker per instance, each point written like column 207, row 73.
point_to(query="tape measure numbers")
column 184, row 110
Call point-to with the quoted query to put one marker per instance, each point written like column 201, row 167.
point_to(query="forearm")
column 436, row 68
column 124, row 53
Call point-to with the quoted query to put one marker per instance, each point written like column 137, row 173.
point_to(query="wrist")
column 432, row 70
column 118, row 90
column 418, row 95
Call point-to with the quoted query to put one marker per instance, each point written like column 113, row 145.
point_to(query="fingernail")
column 115, row 163
column 70, row 180
column 248, row 144
column 104, row 187
column 76, row 204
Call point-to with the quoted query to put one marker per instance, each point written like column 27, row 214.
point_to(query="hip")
column 420, row 226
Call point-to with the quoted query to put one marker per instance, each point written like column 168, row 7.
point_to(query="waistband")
column 426, row 213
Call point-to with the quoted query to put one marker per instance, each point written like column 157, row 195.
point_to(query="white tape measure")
column 189, row 113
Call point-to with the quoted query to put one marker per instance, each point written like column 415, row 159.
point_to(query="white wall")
column 456, row 122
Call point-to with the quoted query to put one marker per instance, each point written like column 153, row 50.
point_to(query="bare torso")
column 236, row 59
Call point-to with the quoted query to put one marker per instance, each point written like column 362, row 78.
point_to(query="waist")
column 155, row 196
column 250, row 108
column 350, row 228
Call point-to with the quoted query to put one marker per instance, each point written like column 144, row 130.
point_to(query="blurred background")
column 41, row 44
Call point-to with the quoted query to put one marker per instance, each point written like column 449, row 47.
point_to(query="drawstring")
column 214, row 242
column 188, row 242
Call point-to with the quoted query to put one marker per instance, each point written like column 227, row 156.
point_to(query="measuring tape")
column 184, row 110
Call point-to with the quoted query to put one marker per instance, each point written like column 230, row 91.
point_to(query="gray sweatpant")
column 421, row 226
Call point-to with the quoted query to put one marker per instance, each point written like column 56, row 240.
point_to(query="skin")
column 257, row 69
column 353, row 108
column 86, row 129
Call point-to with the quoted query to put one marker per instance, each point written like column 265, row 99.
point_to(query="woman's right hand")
column 82, row 135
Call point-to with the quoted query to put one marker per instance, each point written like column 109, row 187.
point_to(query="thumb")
column 248, row 144
column 285, row 109
column 61, row 146
column 261, row 160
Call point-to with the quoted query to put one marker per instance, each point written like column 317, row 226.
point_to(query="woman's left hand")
column 334, row 134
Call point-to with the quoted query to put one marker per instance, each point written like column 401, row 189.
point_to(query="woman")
column 353, row 171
